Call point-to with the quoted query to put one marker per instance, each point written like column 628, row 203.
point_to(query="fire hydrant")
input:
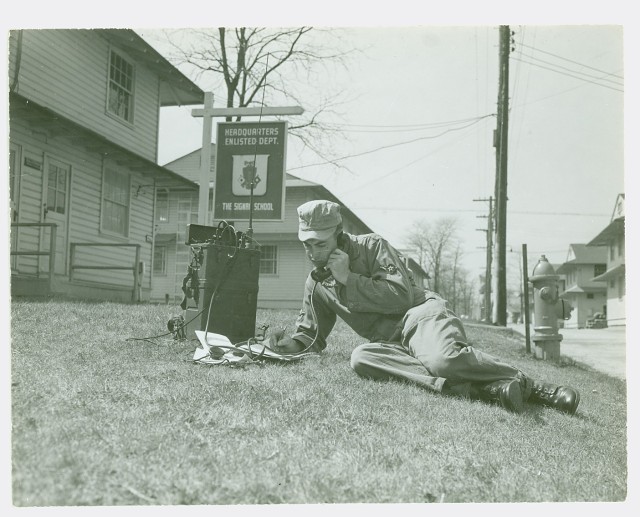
column 548, row 308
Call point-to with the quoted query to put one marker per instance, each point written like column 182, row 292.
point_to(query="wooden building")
column 586, row 295
column 614, row 278
column 84, row 113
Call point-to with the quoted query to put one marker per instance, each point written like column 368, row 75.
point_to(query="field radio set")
column 221, row 285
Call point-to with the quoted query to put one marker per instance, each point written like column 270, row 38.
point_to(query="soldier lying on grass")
column 413, row 335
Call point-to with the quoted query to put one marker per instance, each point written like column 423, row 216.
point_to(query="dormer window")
column 120, row 95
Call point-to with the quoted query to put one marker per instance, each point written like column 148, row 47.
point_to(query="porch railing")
column 51, row 253
column 135, row 295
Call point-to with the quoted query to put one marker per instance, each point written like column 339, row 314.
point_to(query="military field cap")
column 318, row 219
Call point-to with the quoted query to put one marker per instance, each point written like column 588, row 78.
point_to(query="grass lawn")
column 102, row 420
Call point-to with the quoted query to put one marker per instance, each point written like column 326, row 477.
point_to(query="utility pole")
column 205, row 160
column 487, row 275
column 501, row 144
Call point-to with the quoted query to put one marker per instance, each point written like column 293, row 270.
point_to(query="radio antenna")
column 255, row 156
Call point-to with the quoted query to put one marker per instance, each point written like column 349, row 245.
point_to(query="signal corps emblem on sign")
column 250, row 170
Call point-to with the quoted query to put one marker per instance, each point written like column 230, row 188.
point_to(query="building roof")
column 583, row 254
column 576, row 289
column 295, row 182
column 615, row 228
column 176, row 89
column 610, row 273
column 418, row 267
column 609, row 234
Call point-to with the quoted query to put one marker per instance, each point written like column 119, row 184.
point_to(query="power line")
column 601, row 78
column 386, row 175
column 469, row 210
column 570, row 60
column 604, row 77
column 355, row 155
column 568, row 75
column 425, row 125
column 521, row 120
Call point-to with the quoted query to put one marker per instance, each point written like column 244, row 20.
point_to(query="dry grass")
column 99, row 420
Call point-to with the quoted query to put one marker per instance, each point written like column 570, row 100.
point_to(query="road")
column 603, row 350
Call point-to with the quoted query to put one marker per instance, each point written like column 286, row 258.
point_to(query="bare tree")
column 439, row 251
column 433, row 242
column 260, row 66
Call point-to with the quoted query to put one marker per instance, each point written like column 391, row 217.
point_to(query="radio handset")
column 320, row 274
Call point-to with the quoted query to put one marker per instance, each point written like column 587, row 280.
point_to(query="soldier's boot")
column 562, row 398
column 507, row 393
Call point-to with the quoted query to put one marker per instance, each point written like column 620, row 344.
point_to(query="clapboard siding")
column 29, row 207
column 67, row 71
column 84, row 210
column 170, row 283
column 285, row 289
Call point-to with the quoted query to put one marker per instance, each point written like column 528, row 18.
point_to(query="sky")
column 421, row 115
column 566, row 160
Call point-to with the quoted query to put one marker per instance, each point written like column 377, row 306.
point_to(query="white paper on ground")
column 224, row 345
column 218, row 342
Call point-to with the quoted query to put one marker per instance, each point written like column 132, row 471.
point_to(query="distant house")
column 586, row 295
column 84, row 109
column 614, row 278
column 283, row 264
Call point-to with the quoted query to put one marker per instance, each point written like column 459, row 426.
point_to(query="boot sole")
column 511, row 397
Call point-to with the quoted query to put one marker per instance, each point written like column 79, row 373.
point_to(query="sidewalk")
column 604, row 350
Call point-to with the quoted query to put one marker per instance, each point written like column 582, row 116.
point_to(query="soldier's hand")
column 338, row 263
column 284, row 345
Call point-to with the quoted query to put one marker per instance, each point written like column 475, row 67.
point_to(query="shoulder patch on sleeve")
column 391, row 269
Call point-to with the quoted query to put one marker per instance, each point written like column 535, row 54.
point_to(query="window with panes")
column 162, row 206
column 269, row 260
column 115, row 201
column 120, row 96
column 57, row 189
column 160, row 260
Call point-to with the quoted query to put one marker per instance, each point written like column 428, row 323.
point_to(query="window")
column 269, row 260
column 599, row 269
column 589, row 296
column 57, row 189
column 120, row 95
column 162, row 206
column 160, row 260
column 612, row 252
column 621, row 247
column 115, row 202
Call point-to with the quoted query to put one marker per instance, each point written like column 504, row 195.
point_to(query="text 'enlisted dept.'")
column 251, row 136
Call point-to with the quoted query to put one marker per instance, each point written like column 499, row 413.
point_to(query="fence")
column 52, row 247
column 135, row 295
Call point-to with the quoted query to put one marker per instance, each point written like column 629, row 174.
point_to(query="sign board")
column 250, row 153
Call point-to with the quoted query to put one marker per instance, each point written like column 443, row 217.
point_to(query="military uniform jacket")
column 379, row 291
